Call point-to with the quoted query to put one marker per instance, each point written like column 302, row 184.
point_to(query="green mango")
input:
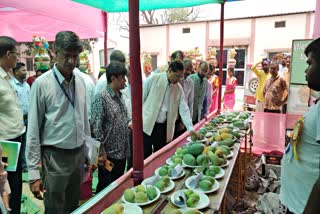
column 208, row 178
column 173, row 157
column 129, row 195
column 170, row 172
column 205, row 185
column 195, row 149
column 163, row 171
column 151, row 192
column 189, row 160
column 213, row 158
column 177, row 161
column 161, row 185
column 226, row 149
column 215, row 169
column 166, row 180
column 191, row 202
column 195, row 196
column 141, row 197
column 188, row 192
column 179, row 150
column 110, row 210
column 210, row 172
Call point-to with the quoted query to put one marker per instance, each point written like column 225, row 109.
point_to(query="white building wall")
column 154, row 40
column 187, row 41
column 269, row 38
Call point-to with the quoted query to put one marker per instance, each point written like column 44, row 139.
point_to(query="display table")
column 114, row 191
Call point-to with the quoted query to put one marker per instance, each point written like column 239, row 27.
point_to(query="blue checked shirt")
column 23, row 92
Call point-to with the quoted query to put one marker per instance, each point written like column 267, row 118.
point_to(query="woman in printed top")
column 229, row 97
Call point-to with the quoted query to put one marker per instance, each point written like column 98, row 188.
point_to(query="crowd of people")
column 58, row 111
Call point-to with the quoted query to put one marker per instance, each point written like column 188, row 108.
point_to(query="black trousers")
column 272, row 111
column 177, row 133
column 105, row 177
column 130, row 157
column 15, row 182
column 156, row 141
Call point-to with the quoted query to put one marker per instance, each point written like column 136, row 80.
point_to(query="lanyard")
column 64, row 90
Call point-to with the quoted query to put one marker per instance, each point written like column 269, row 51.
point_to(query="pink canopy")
column 22, row 19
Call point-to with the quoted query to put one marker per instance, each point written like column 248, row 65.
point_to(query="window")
column 154, row 62
column 29, row 64
column 239, row 66
column 186, row 30
column 280, row 24
column 101, row 56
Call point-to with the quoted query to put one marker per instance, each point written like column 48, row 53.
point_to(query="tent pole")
column 105, row 54
column 316, row 29
column 136, row 91
column 221, row 54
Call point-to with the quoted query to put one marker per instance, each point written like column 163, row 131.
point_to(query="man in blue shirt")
column 23, row 91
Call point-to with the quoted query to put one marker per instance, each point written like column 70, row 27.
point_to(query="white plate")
column 214, row 188
column 202, row 203
column 172, row 178
column 225, row 165
column 209, row 134
column 145, row 203
column 217, row 176
column 186, row 165
column 230, row 155
column 183, row 211
column 197, row 141
column 167, row 189
column 169, row 162
column 130, row 208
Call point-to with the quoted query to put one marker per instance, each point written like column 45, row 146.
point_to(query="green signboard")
column 298, row 61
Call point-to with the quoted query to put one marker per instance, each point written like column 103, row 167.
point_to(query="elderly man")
column 200, row 89
column 300, row 170
column 163, row 100
column 58, row 127
column 11, row 117
column 275, row 90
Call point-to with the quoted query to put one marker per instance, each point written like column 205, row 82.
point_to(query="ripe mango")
column 166, row 180
column 141, row 197
column 224, row 130
column 225, row 136
column 110, row 210
column 129, row 195
column 140, row 188
column 219, row 152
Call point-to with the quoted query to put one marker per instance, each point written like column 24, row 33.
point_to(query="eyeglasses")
column 15, row 52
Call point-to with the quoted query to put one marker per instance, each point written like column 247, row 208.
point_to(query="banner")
column 298, row 61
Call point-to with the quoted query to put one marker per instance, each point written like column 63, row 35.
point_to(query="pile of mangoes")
column 162, row 183
column 140, row 194
column 206, row 183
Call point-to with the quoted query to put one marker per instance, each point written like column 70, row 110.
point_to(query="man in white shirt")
column 58, row 126
column 116, row 55
column 163, row 100
column 23, row 91
column 188, row 89
column 11, row 117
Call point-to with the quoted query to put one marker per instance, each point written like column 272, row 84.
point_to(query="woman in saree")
column 214, row 81
column 229, row 93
